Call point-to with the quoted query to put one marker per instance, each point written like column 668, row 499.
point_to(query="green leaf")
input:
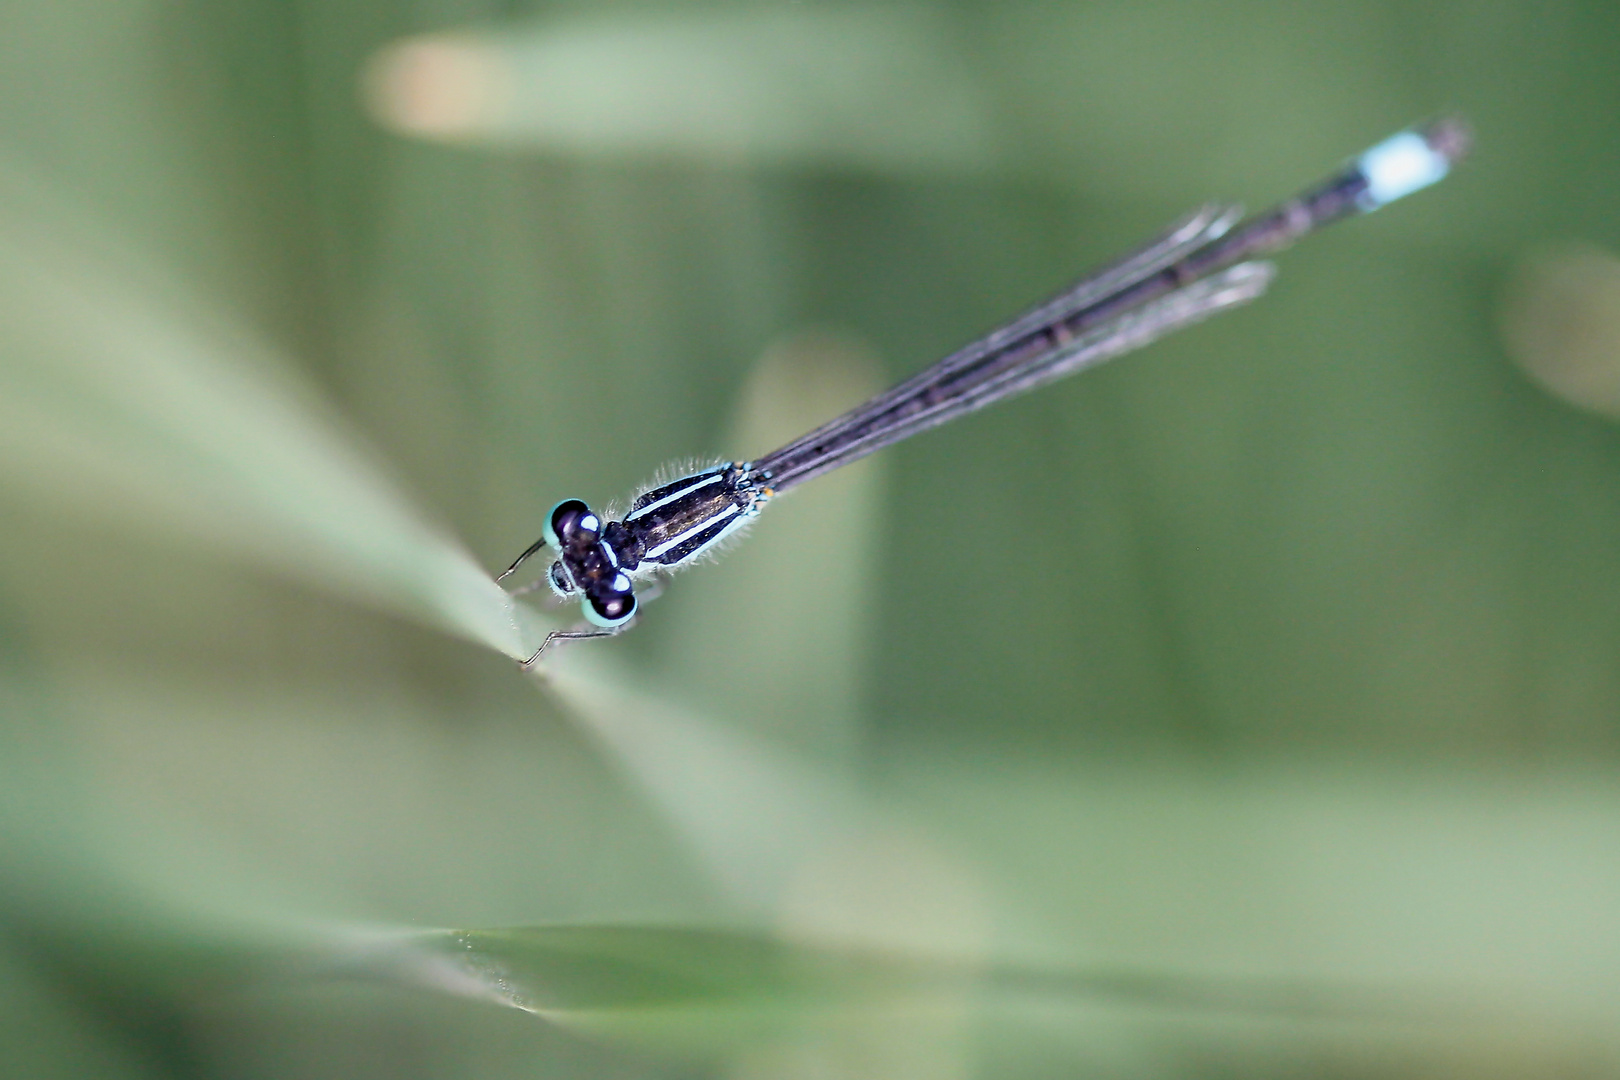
column 713, row 991
column 749, row 811
column 121, row 399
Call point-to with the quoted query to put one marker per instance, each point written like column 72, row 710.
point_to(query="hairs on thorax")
column 668, row 473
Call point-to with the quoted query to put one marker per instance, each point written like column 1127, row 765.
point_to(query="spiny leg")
column 523, row 558
column 567, row 635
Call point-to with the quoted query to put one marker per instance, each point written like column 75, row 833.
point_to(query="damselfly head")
column 588, row 564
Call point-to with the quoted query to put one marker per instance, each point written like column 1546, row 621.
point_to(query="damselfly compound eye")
column 569, row 518
column 613, row 605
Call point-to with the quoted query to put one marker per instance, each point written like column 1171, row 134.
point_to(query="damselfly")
column 1197, row 268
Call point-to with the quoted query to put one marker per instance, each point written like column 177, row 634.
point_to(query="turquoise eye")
column 613, row 605
column 567, row 519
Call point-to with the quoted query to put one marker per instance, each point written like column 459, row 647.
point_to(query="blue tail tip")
column 1411, row 161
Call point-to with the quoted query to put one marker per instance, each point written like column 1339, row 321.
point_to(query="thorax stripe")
column 705, row 481
column 730, row 510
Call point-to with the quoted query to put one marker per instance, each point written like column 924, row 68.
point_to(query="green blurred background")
column 1281, row 660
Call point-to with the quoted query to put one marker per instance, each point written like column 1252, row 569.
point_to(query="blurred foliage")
column 1247, row 707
